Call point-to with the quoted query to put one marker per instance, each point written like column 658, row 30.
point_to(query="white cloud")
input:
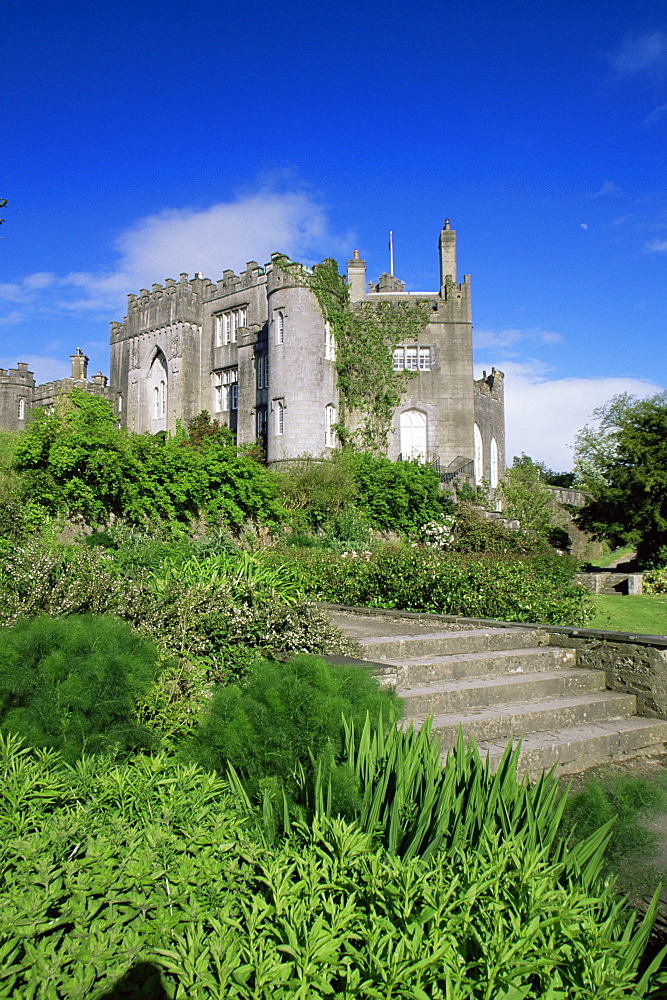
column 654, row 117
column 608, row 187
column 641, row 55
column 45, row 369
column 656, row 246
column 176, row 240
column 543, row 414
column 509, row 337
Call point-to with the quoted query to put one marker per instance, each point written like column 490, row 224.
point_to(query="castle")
column 256, row 352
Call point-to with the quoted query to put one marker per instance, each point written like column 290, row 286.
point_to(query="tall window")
column 261, row 423
column 413, row 435
column 493, row 472
column 120, row 403
column 279, row 414
column 228, row 323
column 226, row 389
column 158, row 379
column 329, row 343
column 262, row 368
column 479, row 455
column 280, row 327
column 412, row 359
column 329, row 421
column 21, row 409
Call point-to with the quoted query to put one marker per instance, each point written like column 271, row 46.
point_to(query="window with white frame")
column 262, row 368
column 479, row 455
column 493, row 472
column 279, row 415
column 21, row 409
column 226, row 390
column 261, row 423
column 279, row 322
column 119, row 403
column 329, row 421
column 329, row 343
column 412, row 358
column 228, row 323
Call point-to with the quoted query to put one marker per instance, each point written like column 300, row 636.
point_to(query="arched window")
column 329, row 421
column 280, row 327
column 280, row 417
column 493, row 473
column 413, row 435
column 21, row 409
column 479, row 455
column 158, row 386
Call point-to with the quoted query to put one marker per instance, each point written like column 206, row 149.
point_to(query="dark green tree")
column 622, row 463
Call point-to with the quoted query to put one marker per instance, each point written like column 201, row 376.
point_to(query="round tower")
column 302, row 397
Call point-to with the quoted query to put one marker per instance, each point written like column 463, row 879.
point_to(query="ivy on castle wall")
column 366, row 335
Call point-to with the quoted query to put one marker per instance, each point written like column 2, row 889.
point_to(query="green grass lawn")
column 601, row 562
column 643, row 613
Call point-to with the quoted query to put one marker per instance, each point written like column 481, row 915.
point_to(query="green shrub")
column 625, row 799
column 396, row 497
column 655, row 581
column 285, row 716
column 509, row 587
column 72, row 684
column 152, row 862
column 314, row 490
column 475, row 533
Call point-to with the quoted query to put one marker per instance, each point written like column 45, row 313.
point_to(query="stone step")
column 425, row 669
column 393, row 647
column 481, row 692
column 580, row 747
column 501, row 722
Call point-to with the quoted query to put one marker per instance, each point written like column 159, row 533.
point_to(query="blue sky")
column 140, row 140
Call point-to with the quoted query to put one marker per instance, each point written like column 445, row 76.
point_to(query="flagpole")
column 391, row 253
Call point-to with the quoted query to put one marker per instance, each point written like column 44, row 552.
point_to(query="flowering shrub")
column 439, row 534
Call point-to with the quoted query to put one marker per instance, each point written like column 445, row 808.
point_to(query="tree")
column 622, row 464
column 525, row 495
column 76, row 461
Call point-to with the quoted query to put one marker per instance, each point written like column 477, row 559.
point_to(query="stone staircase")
column 504, row 682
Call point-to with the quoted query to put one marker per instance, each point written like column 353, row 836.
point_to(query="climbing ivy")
column 366, row 335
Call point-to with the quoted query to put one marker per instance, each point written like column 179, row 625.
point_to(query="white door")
column 413, row 435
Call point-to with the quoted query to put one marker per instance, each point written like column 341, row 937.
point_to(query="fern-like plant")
column 71, row 684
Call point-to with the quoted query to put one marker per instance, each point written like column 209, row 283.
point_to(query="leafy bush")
column 655, row 581
column 475, row 533
column 534, row 588
column 285, row 716
column 396, row 497
column 313, row 490
column 76, row 461
column 153, row 863
column 73, row 683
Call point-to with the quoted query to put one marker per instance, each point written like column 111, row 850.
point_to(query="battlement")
column 491, row 385
column 20, row 375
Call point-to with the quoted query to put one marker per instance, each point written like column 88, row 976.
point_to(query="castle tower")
column 16, row 391
column 303, row 397
column 447, row 245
